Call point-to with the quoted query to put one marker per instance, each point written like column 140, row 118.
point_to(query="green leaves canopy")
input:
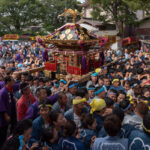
column 115, row 11
column 18, row 15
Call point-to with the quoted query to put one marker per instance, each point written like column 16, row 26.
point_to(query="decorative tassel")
column 83, row 62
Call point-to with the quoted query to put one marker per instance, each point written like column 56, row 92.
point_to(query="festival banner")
column 10, row 37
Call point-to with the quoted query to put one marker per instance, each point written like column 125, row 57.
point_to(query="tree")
column 139, row 5
column 52, row 9
column 18, row 15
column 115, row 11
column 15, row 15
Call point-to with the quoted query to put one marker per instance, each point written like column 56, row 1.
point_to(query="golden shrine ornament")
column 62, row 36
column 70, row 36
column 67, row 31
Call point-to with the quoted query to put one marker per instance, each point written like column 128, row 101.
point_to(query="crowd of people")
column 108, row 112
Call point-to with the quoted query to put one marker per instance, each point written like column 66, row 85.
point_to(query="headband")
column 92, row 88
column 111, row 93
column 42, row 105
column 134, row 85
column 99, row 91
column 147, row 130
column 25, row 87
column 130, row 97
column 115, row 80
column 94, row 74
column 73, row 85
column 126, row 108
column 56, row 84
column 64, row 81
column 78, row 101
column 21, row 142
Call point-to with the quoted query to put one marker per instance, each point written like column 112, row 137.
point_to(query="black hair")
column 35, row 78
column 23, row 86
column 117, row 111
column 2, row 67
column 22, row 126
column 47, row 79
column 13, row 143
column 97, row 88
column 69, row 128
column 29, row 78
column 87, row 120
column 109, row 102
column 38, row 90
column 105, row 77
column 140, row 70
column 7, row 79
column 81, row 92
column 53, row 115
column 101, row 78
column 146, row 123
column 124, row 104
column 121, row 92
column 41, row 80
column 126, row 82
column 113, row 91
column 145, row 90
column 25, row 74
column 112, row 70
column 47, row 134
column 71, row 83
column 91, row 86
column 60, row 95
column 112, row 125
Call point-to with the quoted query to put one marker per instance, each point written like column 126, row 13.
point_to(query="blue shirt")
column 99, row 121
column 110, row 143
column 125, row 131
column 71, row 143
column 138, row 140
column 86, row 136
column 37, row 129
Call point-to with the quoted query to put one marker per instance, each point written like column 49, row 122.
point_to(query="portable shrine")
column 76, row 51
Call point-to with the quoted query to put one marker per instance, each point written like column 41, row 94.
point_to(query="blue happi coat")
column 86, row 136
column 125, row 131
column 71, row 143
column 138, row 140
column 110, row 143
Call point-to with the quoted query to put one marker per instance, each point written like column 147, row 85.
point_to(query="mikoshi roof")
column 70, row 35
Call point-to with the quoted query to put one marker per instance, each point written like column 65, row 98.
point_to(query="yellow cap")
column 97, row 105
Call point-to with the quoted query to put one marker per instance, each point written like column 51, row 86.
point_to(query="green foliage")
column 139, row 5
column 16, row 16
column 52, row 9
column 116, row 10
